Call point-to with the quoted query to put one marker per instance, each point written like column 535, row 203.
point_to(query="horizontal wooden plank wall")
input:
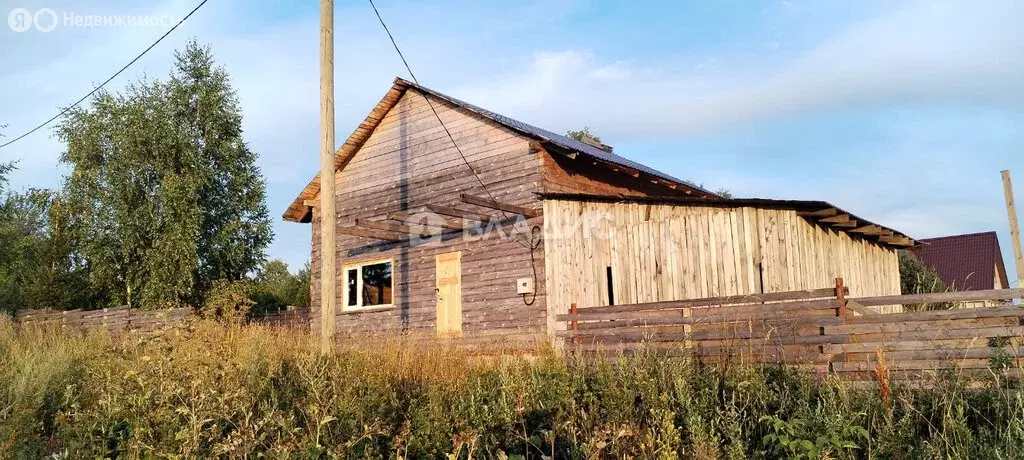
column 409, row 162
column 116, row 319
column 806, row 328
column 296, row 318
column 735, row 327
column 674, row 252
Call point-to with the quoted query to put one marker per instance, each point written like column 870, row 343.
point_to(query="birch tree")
column 166, row 194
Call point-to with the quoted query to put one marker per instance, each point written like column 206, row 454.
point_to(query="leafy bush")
column 276, row 288
column 215, row 390
column 228, row 301
column 918, row 278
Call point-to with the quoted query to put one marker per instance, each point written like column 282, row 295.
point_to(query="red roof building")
column 965, row 262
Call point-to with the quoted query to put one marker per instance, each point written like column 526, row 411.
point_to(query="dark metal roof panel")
column 557, row 139
column 964, row 262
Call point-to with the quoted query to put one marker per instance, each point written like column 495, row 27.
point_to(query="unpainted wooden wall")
column 408, row 162
column 674, row 252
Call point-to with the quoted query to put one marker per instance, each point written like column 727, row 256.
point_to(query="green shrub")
column 228, row 301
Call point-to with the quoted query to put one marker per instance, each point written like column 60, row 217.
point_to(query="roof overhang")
column 300, row 209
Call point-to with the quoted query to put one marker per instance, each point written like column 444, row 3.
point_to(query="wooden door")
column 449, row 294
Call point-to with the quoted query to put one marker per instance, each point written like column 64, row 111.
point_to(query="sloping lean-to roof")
column 965, row 262
column 821, row 212
column 298, row 211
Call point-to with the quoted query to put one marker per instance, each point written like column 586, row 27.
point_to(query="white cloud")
column 930, row 52
column 615, row 71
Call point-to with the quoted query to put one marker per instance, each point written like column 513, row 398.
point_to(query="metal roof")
column 560, row 140
column 965, row 262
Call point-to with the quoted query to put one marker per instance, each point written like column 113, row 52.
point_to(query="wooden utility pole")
column 1014, row 230
column 328, row 255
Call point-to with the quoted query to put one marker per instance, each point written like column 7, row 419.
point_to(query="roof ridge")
column 560, row 140
column 985, row 233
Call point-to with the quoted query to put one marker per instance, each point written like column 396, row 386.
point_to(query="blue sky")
column 901, row 112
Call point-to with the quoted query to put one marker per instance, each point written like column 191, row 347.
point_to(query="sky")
column 903, row 113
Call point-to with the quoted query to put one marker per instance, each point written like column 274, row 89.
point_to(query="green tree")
column 37, row 266
column 584, row 135
column 724, row 193
column 276, row 287
column 164, row 191
column 918, row 278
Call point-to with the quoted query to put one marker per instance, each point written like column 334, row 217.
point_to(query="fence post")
column 841, row 297
column 688, row 327
column 841, row 311
column 575, row 326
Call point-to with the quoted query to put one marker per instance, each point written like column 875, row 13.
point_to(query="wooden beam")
column 311, row 203
column 896, row 241
column 371, row 233
column 438, row 222
column 854, row 306
column 748, row 299
column 622, row 169
column 850, row 224
column 488, row 203
column 460, row 214
column 870, row 229
column 328, row 225
column 387, row 226
column 1011, row 212
column 837, row 219
column 827, row 212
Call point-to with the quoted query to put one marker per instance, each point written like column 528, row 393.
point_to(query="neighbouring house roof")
column 299, row 212
column 822, row 212
column 964, row 262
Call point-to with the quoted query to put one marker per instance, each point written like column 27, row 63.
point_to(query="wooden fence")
column 116, row 319
column 819, row 329
column 120, row 319
column 293, row 317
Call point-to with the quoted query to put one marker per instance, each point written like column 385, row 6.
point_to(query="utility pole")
column 1014, row 230
column 328, row 254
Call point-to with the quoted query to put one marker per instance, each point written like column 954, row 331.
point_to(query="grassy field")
column 213, row 390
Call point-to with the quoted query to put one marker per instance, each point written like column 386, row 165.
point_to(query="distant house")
column 969, row 262
column 508, row 226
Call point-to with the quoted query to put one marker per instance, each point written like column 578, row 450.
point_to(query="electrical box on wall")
column 524, row 286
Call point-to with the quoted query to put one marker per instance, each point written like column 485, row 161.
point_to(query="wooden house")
column 484, row 225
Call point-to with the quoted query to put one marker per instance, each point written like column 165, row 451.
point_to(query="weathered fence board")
column 117, row 319
column 813, row 328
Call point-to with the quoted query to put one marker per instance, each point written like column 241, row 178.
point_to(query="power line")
column 432, row 109
column 94, row 90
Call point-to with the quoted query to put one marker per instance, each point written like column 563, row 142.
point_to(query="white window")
column 368, row 285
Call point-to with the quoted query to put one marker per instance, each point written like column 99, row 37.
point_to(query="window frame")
column 358, row 266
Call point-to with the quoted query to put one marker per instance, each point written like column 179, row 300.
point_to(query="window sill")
column 373, row 309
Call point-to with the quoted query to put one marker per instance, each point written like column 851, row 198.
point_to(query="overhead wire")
column 108, row 80
column 438, row 116
column 534, row 242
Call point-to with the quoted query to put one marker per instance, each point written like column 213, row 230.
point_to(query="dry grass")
column 228, row 391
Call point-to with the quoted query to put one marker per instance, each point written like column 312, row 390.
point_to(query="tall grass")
column 230, row 391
